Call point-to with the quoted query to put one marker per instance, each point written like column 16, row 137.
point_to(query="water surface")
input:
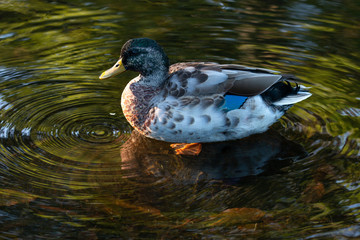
column 71, row 166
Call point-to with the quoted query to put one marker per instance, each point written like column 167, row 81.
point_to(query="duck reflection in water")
column 258, row 154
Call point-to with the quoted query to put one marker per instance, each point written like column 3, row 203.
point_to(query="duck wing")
column 203, row 78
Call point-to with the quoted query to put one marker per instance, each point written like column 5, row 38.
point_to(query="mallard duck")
column 194, row 102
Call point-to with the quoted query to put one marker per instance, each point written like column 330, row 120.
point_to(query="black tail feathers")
column 279, row 91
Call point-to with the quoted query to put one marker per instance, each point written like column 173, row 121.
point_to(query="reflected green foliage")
column 71, row 167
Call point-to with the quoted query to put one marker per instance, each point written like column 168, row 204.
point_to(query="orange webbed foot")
column 191, row 149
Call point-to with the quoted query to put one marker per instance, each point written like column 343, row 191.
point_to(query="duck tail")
column 284, row 94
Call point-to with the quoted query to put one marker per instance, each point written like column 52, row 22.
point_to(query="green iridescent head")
column 141, row 55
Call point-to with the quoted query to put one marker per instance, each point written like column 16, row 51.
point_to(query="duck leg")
column 192, row 149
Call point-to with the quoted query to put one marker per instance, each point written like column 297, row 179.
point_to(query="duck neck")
column 154, row 78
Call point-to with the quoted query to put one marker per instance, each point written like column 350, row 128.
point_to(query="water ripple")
column 56, row 132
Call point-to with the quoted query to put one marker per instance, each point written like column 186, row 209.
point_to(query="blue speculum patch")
column 233, row 102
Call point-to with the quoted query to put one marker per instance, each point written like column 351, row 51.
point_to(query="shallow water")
column 71, row 167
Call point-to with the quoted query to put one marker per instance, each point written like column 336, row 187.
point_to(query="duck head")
column 142, row 55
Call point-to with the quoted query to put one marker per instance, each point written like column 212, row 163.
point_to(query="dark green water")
column 71, row 167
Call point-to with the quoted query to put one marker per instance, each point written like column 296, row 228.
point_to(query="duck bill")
column 114, row 70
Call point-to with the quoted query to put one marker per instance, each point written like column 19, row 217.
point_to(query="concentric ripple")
column 52, row 131
column 86, row 128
